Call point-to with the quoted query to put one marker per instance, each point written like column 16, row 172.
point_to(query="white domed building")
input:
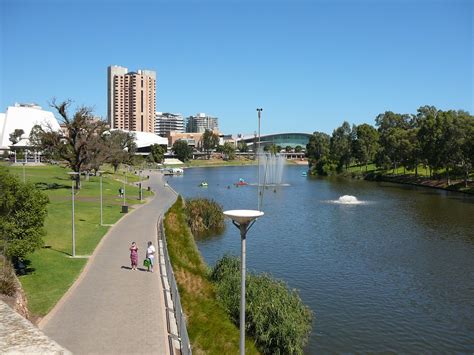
column 24, row 117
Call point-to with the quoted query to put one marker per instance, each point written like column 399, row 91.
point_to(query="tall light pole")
column 140, row 184
column 124, row 205
column 74, row 174
column 244, row 220
column 259, row 111
column 101, row 203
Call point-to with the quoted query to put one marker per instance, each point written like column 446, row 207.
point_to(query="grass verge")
column 51, row 270
column 210, row 329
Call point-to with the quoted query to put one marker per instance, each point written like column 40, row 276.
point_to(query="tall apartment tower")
column 131, row 99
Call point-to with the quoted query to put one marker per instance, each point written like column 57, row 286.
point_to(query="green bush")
column 22, row 214
column 204, row 216
column 275, row 315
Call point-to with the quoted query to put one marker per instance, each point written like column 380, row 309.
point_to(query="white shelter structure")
column 144, row 140
column 24, row 117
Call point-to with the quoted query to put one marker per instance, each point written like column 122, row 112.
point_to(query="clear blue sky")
column 310, row 65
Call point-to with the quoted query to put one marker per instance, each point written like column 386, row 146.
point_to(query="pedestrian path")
column 112, row 309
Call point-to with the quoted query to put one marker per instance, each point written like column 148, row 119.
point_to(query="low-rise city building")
column 166, row 122
column 202, row 122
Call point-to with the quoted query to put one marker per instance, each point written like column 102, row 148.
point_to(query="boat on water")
column 304, row 173
column 174, row 171
column 241, row 182
column 203, row 184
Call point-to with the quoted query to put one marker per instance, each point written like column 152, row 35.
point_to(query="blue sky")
column 309, row 64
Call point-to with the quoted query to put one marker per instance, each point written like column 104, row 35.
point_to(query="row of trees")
column 432, row 138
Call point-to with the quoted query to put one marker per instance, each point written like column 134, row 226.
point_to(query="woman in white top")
column 150, row 254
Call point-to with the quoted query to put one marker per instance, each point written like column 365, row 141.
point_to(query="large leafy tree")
column 210, row 140
column 229, row 151
column 391, row 128
column 242, row 147
column 366, row 144
column 182, row 150
column 341, row 145
column 157, row 153
column 73, row 145
column 120, row 147
column 22, row 214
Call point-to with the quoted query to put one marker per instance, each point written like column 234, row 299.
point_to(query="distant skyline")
column 309, row 64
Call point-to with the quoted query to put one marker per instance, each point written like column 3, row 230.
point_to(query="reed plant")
column 204, row 216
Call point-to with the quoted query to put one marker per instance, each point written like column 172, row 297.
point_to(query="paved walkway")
column 113, row 309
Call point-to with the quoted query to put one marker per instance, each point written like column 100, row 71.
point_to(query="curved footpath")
column 110, row 308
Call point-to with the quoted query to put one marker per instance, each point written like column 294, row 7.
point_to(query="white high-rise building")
column 166, row 122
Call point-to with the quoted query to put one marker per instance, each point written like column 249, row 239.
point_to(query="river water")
column 394, row 274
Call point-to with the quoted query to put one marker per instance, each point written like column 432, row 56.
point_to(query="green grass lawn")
column 51, row 270
column 210, row 329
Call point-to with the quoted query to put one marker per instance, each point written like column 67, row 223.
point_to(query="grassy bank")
column 50, row 270
column 406, row 176
column 210, row 329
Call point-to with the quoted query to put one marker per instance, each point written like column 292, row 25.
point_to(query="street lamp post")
column 24, row 174
column 74, row 174
column 244, row 220
column 140, row 193
column 259, row 111
column 124, row 205
column 101, row 200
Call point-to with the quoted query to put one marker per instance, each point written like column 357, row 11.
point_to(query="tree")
column 229, row 151
column 298, row 149
column 341, row 146
column 317, row 151
column 182, row 150
column 242, row 147
column 73, row 146
column 365, row 143
column 288, row 149
column 16, row 136
column 209, row 141
column 271, row 148
column 391, row 128
column 157, row 153
column 22, row 215
column 120, row 147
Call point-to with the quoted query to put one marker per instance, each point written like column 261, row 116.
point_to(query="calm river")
column 395, row 274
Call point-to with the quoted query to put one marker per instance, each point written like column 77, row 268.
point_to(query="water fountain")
column 348, row 200
column 271, row 169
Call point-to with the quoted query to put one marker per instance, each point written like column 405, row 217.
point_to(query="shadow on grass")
column 22, row 267
column 51, row 186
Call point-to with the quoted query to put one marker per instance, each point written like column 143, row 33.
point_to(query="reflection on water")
column 395, row 274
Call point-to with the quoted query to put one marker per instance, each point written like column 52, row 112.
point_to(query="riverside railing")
column 176, row 320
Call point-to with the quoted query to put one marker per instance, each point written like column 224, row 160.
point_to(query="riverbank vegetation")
column 50, row 270
column 204, row 216
column 429, row 145
column 210, row 329
column 276, row 318
column 275, row 315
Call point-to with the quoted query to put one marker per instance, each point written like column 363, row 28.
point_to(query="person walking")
column 150, row 254
column 134, row 255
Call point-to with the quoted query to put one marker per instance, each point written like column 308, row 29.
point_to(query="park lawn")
column 210, row 329
column 51, row 270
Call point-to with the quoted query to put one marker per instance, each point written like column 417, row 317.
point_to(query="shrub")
column 275, row 315
column 8, row 285
column 204, row 216
column 22, row 214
